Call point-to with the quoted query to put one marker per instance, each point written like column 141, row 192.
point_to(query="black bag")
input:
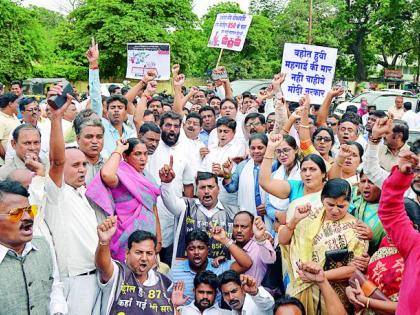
column 337, row 258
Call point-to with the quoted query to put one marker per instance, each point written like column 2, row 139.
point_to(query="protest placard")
column 310, row 70
column 229, row 31
column 142, row 57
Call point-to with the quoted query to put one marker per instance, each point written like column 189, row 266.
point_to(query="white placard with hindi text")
column 229, row 31
column 142, row 57
column 310, row 70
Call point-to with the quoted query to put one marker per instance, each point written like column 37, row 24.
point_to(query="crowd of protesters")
column 206, row 202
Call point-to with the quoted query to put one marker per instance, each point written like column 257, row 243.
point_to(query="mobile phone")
column 57, row 101
column 219, row 74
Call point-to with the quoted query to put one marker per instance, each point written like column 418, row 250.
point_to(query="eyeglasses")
column 16, row 214
column 331, row 124
column 320, row 138
column 285, row 151
column 253, row 124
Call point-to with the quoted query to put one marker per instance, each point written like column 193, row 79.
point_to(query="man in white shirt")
column 170, row 145
column 190, row 141
column 348, row 130
column 241, row 293
column 412, row 118
column 229, row 109
column 205, row 289
column 227, row 148
column 71, row 219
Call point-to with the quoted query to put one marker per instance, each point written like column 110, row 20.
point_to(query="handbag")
column 337, row 258
column 368, row 287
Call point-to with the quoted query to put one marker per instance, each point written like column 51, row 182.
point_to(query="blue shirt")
column 111, row 136
column 233, row 186
column 95, row 91
column 181, row 271
column 296, row 191
column 204, row 137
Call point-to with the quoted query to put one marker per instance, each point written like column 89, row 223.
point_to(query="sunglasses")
column 320, row 138
column 16, row 214
column 331, row 124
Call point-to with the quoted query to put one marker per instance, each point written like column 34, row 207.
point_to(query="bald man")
column 71, row 219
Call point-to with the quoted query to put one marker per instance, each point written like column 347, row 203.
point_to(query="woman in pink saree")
column 122, row 189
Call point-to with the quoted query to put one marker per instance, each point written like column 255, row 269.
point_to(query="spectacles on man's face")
column 321, row 138
column 253, row 124
column 16, row 214
column 285, row 151
column 331, row 124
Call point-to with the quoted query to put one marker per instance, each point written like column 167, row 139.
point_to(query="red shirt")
column 407, row 239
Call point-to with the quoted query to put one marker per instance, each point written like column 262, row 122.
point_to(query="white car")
column 381, row 99
column 403, row 92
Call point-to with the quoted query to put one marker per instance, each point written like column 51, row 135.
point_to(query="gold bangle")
column 117, row 153
column 367, row 303
column 304, row 126
column 103, row 243
column 268, row 158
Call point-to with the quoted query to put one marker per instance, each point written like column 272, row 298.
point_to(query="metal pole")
column 310, row 23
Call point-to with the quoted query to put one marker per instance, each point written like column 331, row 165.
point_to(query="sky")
column 200, row 6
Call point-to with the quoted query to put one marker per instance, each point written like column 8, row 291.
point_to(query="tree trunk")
column 357, row 50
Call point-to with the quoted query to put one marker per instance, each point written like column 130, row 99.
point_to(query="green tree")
column 396, row 30
column 267, row 8
column 22, row 41
column 114, row 23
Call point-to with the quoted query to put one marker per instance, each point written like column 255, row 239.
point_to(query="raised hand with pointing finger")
column 167, row 173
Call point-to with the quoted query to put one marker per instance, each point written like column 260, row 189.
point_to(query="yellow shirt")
column 7, row 125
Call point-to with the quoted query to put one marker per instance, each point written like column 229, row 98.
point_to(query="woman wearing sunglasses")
column 322, row 140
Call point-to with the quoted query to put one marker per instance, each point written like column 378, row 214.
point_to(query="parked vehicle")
column 413, row 135
column 404, row 92
column 253, row 86
column 37, row 87
column 381, row 99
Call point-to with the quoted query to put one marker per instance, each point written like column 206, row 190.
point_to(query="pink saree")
column 132, row 201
